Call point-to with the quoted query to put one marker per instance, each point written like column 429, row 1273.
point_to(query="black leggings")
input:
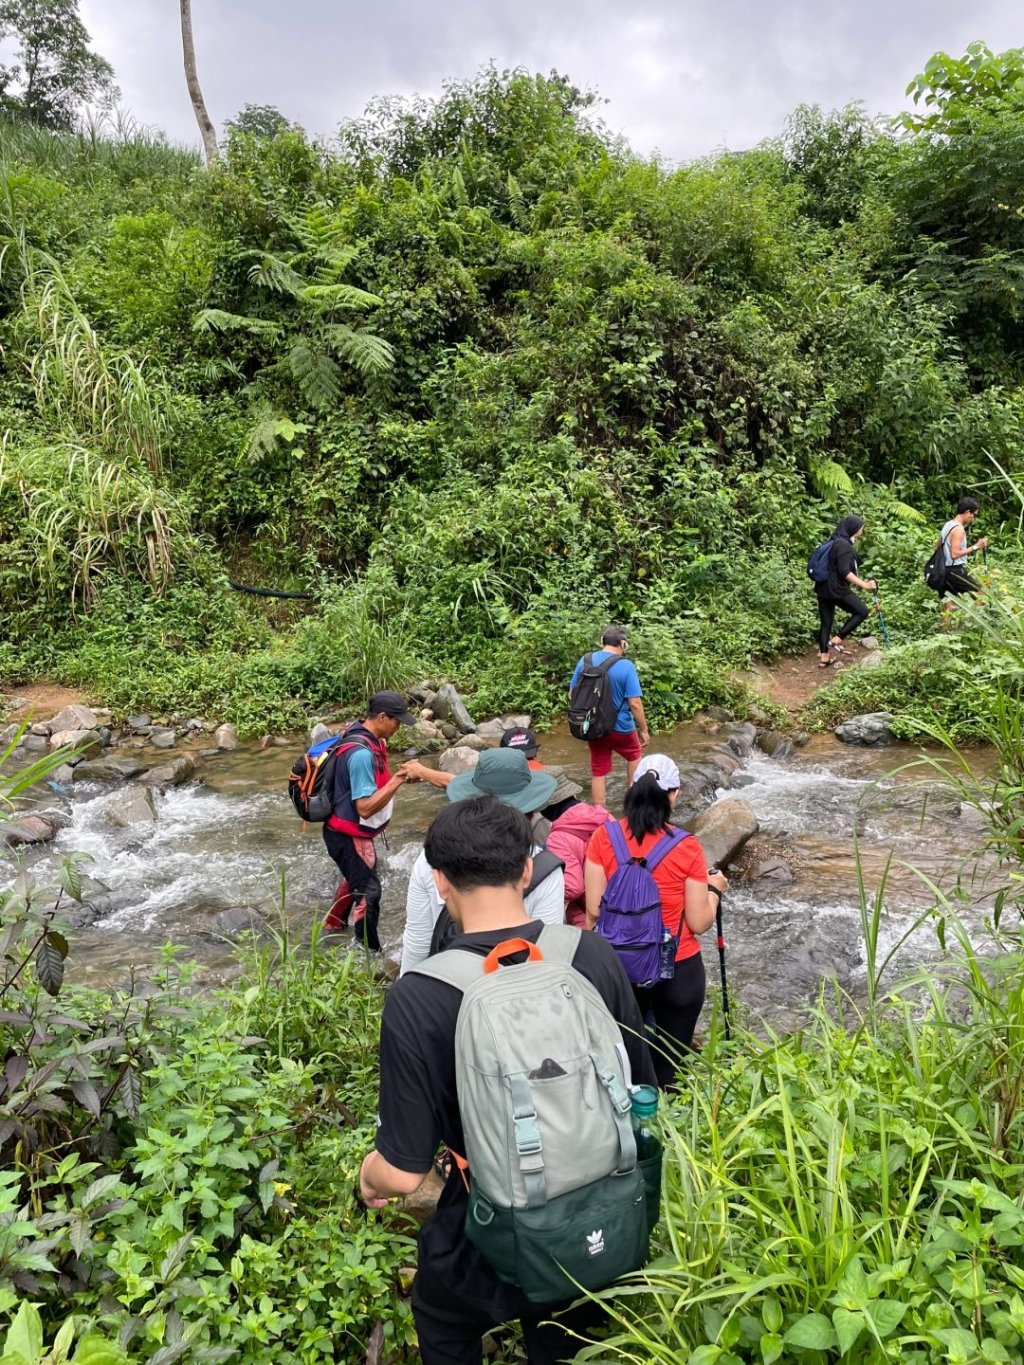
column 676, row 1006
column 827, row 614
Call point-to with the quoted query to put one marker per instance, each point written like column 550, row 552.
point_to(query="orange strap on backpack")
column 511, row 945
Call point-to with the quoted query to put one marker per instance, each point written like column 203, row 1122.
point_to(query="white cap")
column 665, row 771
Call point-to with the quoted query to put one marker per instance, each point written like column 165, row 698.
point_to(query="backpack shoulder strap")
column 669, row 840
column 618, row 842
column 558, row 942
column 544, row 864
column 455, row 966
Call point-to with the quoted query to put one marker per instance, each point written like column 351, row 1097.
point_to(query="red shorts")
column 618, row 742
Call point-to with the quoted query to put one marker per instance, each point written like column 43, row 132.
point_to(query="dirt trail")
column 793, row 680
column 39, row 700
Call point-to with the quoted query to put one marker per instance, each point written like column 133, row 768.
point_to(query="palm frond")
column 340, row 296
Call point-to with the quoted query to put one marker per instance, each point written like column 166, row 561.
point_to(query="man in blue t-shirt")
column 362, row 804
column 630, row 733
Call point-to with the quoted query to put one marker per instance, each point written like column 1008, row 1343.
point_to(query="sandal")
column 831, row 663
column 839, row 649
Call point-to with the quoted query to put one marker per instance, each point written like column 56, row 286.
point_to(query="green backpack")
column 557, row 1199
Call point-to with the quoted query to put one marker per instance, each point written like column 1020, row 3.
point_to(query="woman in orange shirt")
column 688, row 902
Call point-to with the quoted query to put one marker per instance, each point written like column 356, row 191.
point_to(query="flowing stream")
column 227, row 851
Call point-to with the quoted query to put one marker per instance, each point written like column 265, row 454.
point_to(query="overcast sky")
column 679, row 78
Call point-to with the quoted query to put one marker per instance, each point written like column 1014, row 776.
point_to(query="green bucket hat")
column 506, row 774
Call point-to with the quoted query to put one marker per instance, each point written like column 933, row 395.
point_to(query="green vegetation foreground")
column 481, row 380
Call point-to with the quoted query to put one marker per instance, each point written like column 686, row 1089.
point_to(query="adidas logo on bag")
column 595, row 1242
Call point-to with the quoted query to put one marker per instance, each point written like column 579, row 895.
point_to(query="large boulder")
column 134, row 806
column 474, row 742
column 491, row 731
column 739, row 735
column 515, row 721
column 163, row 737
column 458, row 760
column 29, row 829
column 448, row 705
column 698, row 783
column 85, row 743
column 109, row 769
column 74, row 717
column 773, row 870
column 171, row 774
column 874, row 658
column 774, row 744
column 319, row 733
column 873, row 728
column 724, row 829
column 426, row 737
column 226, row 736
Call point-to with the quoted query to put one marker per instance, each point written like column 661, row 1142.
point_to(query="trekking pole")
column 881, row 621
column 721, row 962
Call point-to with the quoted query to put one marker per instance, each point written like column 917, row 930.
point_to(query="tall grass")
column 849, row 1190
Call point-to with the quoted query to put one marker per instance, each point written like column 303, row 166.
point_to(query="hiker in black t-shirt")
column 838, row 592
column 479, row 851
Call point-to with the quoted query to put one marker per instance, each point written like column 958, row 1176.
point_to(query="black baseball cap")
column 390, row 704
column 523, row 740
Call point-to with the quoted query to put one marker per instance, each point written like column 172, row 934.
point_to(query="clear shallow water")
column 224, row 844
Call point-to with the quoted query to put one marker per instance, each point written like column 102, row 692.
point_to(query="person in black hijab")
column 837, row 591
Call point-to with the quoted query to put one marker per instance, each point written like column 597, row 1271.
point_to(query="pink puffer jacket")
column 568, row 840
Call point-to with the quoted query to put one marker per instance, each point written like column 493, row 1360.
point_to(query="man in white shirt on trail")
column 506, row 774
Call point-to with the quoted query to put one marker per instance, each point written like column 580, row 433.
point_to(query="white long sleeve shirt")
column 423, row 905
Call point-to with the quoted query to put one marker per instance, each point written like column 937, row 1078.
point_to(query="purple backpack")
column 630, row 915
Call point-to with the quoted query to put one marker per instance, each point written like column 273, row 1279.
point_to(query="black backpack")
column 445, row 928
column 936, row 570
column 592, row 709
column 311, row 780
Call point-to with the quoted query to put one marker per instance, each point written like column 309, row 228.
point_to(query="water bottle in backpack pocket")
column 630, row 918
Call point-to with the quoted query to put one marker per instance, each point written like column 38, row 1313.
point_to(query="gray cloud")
column 680, row 80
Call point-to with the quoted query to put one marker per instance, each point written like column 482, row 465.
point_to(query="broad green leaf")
column 813, row 1332
column 848, row 1327
column 771, row 1313
column 62, row 1342
column 704, row 1355
column 78, row 1231
column 961, row 1345
column 99, row 1189
column 26, row 1333
column 771, row 1347
column 886, row 1315
column 94, row 1350
column 852, row 1291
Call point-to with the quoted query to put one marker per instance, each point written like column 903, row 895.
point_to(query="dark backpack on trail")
column 818, row 564
column 311, row 780
column 936, row 570
column 592, row 709
column 630, row 917
column 446, row 931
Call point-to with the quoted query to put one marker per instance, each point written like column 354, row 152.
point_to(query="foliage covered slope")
column 481, row 379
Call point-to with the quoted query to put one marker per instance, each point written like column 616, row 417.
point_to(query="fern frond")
column 830, row 478
column 316, row 374
column 366, row 353
column 217, row 320
column 330, row 296
column 272, row 273
column 262, row 439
